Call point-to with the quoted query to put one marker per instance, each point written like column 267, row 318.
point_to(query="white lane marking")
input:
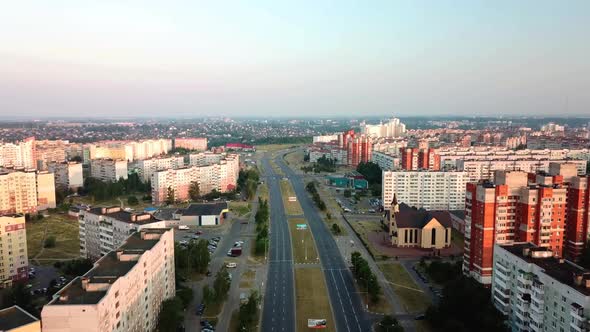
column 340, row 299
column 350, row 301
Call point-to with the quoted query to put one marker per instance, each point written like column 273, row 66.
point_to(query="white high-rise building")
column 123, row 292
column 392, row 128
column 68, row 175
column 431, row 190
column 147, row 167
column 538, row 292
column 26, row 191
column 108, row 169
column 21, row 154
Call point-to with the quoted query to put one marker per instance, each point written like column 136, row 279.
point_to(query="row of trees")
column 311, row 188
column 194, row 257
column 101, row 191
column 220, row 289
column 248, row 182
column 366, row 279
column 261, row 218
column 248, row 313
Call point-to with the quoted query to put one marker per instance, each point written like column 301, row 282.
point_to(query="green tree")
column 194, row 191
column 336, row 229
column 208, row 295
column 185, row 294
column 132, row 200
column 221, row 284
column 371, row 171
column 170, row 315
column 199, row 255
column 248, row 312
column 170, row 196
column 49, row 242
column 389, row 324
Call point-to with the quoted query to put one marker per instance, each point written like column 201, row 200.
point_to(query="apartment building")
column 16, row 319
column 393, row 128
column 430, row 190
column 45, row 190
column 331, row 151
column 386, row 161
column 25, row 191
column 123, row 292
column 358, row 147
column 103, row 229
column 68, row 175
column 538, row 292
column 391, row 146
column 47, row 151
column 127, row 150
column 205, row 158
column 516, row 207
column 417, row 159
column 13, row 249
column 147, row 167
column 108, row 169
column 20, row 154
column 325, row 138
column 222, row 176
column 191, row 143
column 578, row 216
column 484, row 169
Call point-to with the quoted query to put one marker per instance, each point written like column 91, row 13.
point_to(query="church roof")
column 409, row 217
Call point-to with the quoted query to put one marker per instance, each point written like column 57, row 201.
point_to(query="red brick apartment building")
column 415, row 159
column 549, row 210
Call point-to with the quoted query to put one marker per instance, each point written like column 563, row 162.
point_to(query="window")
column 433, row 237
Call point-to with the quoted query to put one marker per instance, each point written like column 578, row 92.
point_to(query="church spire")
column 394, row 202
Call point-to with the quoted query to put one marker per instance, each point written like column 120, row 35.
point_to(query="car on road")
column 183, row 227
column 231, row 265
column 183, row 242
column 200, row 309
column 420, row 317
column 199, row 233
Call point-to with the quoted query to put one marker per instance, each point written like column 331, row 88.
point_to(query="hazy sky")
column 294, row 58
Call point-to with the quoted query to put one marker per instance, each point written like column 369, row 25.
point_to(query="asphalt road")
column 278, row 313
column 346, row 304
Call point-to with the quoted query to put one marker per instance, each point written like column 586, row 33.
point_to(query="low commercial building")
column 204, row 214
column 123, row 292
column 430, row 190
column 68, row 175
column 409, row 227
column 108, row 170
column 103, row 229
column 538, row 292
column 13, row 250
column 16, row 319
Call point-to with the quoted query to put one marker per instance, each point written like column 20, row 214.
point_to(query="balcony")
column 577, row 312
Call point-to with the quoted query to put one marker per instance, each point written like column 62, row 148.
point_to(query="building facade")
column 413, row 159
column 14, row 264
column 516, row 207
column 47, row 151
column 45, row 190
column 194, row 143
column 538, row 292
column 484, row 169
column 386, row 161
column 21, row 154
column 124, row 290
column 108, row 170
column 393, row 128
column 429, row 190
column 104, row 229
column 68, row 175
column 148, row 167
column 26, row 191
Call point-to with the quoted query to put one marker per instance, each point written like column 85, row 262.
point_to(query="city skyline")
column 306, row 59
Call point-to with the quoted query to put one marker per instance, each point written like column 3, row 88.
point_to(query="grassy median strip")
column 291, row 208
column 412, row 297
column 302, row 242
column 263, row 191
column 312, row 298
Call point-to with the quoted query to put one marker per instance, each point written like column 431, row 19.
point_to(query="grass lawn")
column 239, row 208
column 295, row 160
column 274, row 147
column 363, row 228
column 66, row 232
column 457, row 238
column 312, row 298
column 302, row 242
column 276, row 168
column 247, row 279
column 291, row 208
column 263, row 191
column 412, row 297
column 213, row 310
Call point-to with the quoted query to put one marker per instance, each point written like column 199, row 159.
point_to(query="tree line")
column 248, row 182
column 261, row 218
column 366, row 279
column 101, row 191
column 311, row 188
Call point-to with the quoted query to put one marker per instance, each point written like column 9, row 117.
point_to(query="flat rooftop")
column 117, row 213
column 13, row 317
column 205, row 209
column 107, row 270
column 560, row 270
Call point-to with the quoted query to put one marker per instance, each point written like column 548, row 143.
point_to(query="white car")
column 231, row 265
column 183, row 227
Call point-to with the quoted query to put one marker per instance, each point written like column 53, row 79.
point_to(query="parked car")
column 231, row 265
column 183, row 227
